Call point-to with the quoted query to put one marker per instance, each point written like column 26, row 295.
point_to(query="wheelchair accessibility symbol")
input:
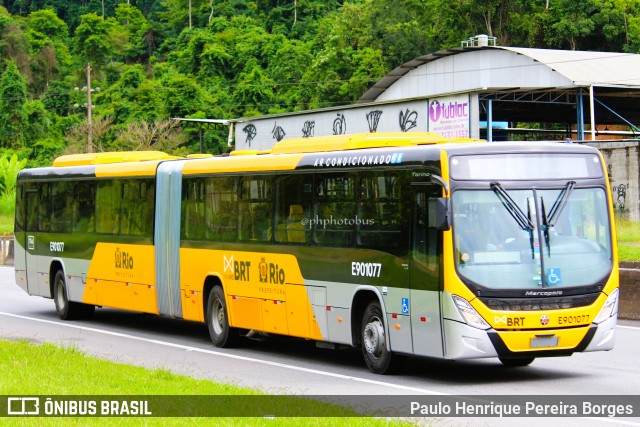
column 554, row 277
column 405, row 305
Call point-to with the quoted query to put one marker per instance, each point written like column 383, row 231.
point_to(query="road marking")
column 277, row 364
column 232, row 356
column 613, row 421
column 628, row 327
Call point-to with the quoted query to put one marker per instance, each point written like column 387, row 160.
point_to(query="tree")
column 13, row 116
column 77, row 135
column 183, row 96
column 571, row 22
column 9, row 168
column 92, row 40
column 135, row 28
column 254, row 90
column 49, row 38
column 163, row 135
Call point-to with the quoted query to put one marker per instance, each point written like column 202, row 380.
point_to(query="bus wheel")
column 517, row 362
column 68, row 310
column 374, row 345
column 221, row 333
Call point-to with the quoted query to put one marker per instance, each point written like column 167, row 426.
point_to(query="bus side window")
column 335, row 209
column 381, row 221
column 84, row 217
column 135, row 219
column 221, row 209
column 193, row 222
column 44, row 208
column 108, row 197
column 31, row 211
column 255, row 208
column 61, row 206
column 20, row 211
column 293, row 201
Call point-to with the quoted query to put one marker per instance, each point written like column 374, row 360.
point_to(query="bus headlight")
column 609, row 308
column 469, row 314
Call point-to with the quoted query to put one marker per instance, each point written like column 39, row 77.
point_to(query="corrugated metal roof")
column 580, row 67
column 588, row 68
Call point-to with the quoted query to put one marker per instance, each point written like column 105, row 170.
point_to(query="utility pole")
column 89, row 125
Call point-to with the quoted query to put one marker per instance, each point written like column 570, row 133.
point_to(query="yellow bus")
column 394, row 243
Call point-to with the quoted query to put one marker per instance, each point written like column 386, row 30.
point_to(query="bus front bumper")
column 465, row 342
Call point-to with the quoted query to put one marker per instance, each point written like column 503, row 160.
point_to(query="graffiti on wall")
column 251, row 132
column 373, row 118
column 307, row 128
column 278, row 133
column 340, row 125
column 408, row 120
column 619, row 193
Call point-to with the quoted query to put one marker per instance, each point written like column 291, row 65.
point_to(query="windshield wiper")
column 549, row 221
column 559, row 204
column 523, row 221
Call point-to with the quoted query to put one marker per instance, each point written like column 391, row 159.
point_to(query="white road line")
column 277, row 364
column 628, row 327
column 232, row 356
column 613, row 421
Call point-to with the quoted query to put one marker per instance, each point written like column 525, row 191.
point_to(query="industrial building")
column 481, row 90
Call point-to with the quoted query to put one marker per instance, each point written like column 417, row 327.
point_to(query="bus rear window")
column 528, row 166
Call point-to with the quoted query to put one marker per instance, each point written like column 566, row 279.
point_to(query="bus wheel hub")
column 374, row 337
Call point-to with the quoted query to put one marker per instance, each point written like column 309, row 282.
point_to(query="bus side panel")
column 122, row 276
column 263, row 291
column 427, row 328
column 20, row 263
column 125, row 295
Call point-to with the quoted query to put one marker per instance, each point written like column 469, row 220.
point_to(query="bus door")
column 424, row 272
column 30, row 239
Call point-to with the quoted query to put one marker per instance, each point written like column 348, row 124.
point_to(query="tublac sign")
column 449, row 116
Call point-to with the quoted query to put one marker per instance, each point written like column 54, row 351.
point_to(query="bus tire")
column 373, row 341
column 67, row 310
column 217, row 318
column 517, row 362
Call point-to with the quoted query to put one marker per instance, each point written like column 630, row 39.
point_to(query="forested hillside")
column 155, row 59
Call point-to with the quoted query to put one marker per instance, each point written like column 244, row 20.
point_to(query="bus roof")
column 107, row 158
column 360, row 141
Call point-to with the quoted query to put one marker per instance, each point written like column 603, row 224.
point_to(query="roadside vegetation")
column 29, row 369
column 9, row 168
column 628, row 233
column 153, row 60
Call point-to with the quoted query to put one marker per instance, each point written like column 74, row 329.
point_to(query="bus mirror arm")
column 443, row 214
column 434, row 179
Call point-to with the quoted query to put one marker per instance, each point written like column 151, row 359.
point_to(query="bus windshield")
column 508, row 239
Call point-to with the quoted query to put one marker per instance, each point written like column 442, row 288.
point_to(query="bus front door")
column 424, row 271
column 30, row 243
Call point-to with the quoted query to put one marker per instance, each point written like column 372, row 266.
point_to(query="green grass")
column 628, row 231
column 628, row 252
column 28, row 369
column 6, row 224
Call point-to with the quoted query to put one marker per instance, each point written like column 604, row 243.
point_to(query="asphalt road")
column 297, row 367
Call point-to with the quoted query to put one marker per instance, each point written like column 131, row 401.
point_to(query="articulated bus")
column 397, row 244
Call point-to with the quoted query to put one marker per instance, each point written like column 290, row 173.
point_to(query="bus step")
column 326, row 345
